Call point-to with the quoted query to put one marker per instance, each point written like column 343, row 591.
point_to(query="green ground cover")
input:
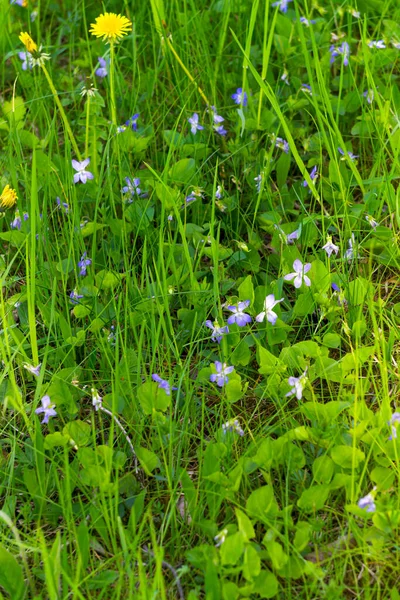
column 199, row 262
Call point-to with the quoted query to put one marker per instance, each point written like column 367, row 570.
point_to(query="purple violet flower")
column 395, row 418
column 380, row 44
column 234, row 426
column 47, row 408
column 63, row 206
column 220, row 129
column 194, row 123
column 367, row 502
column 132, row 122
column 102, row 70
column 17, row 221
column 282, row 4
column 347, row 153
column 97, row 400
column 81, row 174
column 132, row 187
column 74, row 296
column 240, row 97
column 217, row 331
column 282, row 144
column 299, row 276
column 298, row 383
column 83, row 263
column 330, row 247
column 268, row 312
column 307, row 22
column 26, row 58
column 221, row 375
column 313, row 176
column 163, row 384
column 342, row 50
column 34, row 370
column 239, row 317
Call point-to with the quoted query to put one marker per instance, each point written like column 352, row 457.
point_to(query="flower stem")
column 62, row 112
column 112, row 90
column 87, row 125
column 119, row 424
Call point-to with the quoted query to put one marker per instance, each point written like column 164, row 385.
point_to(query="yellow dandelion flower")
column 28, row 42
column 110, row 27
column 8, row 198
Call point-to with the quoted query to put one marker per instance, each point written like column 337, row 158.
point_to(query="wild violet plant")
column 199, row 318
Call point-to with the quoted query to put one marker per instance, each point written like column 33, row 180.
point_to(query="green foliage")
column 264, row 464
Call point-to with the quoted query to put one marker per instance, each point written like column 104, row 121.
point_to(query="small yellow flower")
column 8, row 198
column 28, row 42
column 110, row 27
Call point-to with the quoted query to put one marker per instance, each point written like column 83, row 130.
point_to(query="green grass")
column 131, row 501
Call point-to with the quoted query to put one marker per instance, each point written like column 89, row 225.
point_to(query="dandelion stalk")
column 110, row 27
column 112, row 90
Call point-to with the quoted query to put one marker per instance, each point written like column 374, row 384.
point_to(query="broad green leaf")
column 11, row 575
column 313, row 498
column 261, row 503
column 347, row 457
column 153, row 398
column 148, row 460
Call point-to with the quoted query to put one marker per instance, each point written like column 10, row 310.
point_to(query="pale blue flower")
column 74, row 296
column 220, row 129
column 342, row 50
column 307, row 22
column 369, row 95
column 163, row 384
column 219, row 192
column 349, row 254
column 380, row 44
column 102, row 71
column 306, row 88
column 239, row 317
column 367, row 502
column 268, row 312
column 97, row 400
column 194, row 123
column 371, row 221
column 217, row 331
column 63, row 206
column 313, row 175
column 298, row 384
column 348, row 154
column 17, row 221
column 132, row 187
column 81, row 174
column 291, row 237
column 26, row 58
column 282, row 144
column 299, row 276
column 282, row 4
column 34, row 370
column 47, row 408
column 83, row 264
column 132, row 121
column 221, row 375
column 330, row 247
column 232, row 425
column 240, row 97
